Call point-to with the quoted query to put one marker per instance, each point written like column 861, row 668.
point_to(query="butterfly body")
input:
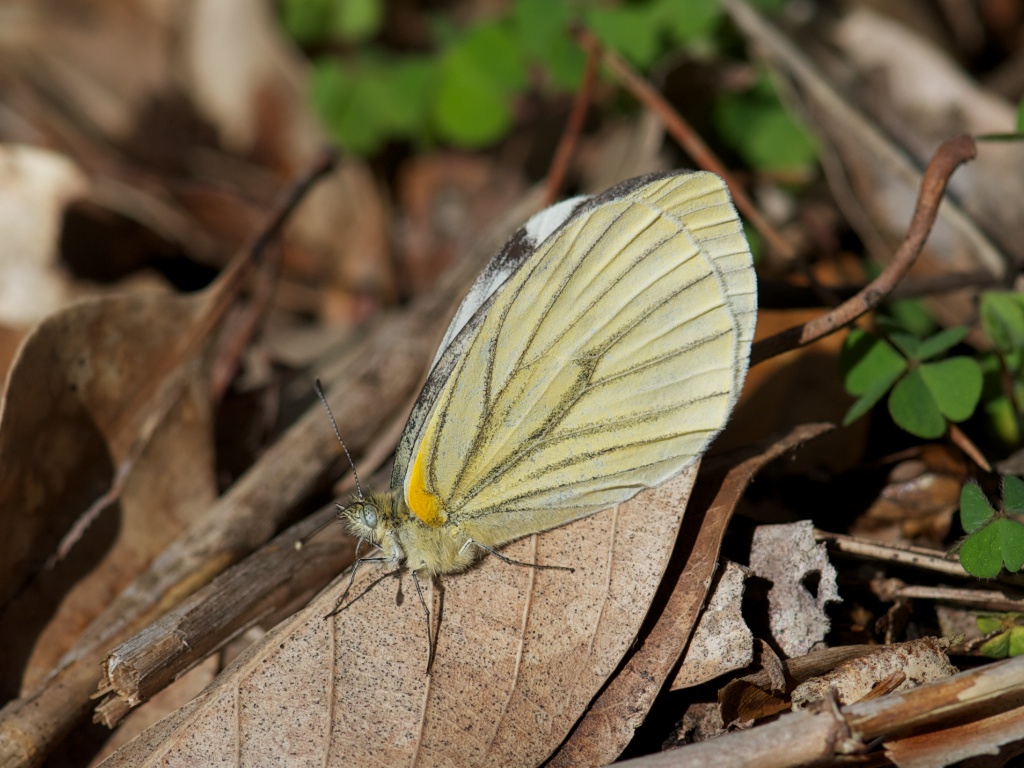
column 385, row 520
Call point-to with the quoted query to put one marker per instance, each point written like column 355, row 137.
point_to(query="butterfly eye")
column 369, row 514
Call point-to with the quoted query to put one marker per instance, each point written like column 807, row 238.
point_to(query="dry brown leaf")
column 979, row 710
column 35, row 187
column 275, row 581
column 228, row 60
column 441, row 196
column 87, row 393
column 919, row 499
column 83, row 61
column 166, row 702
column 701, row 721
column 622, row 148
column 722, row 641
column 520, row 654
column 760, row 695
column 803, row 583
column 81, row 393
column 774, row 409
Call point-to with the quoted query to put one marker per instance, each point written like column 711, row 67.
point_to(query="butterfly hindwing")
column 605, row 363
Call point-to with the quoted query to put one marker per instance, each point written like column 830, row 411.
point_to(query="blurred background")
column 145, row 143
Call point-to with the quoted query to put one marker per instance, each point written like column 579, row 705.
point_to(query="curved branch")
column 949, row 156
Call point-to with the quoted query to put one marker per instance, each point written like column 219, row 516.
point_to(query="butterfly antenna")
column 337, row 432
column 300, row 543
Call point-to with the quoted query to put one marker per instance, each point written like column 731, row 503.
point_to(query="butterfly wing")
column 605, row 364
column 523, row 243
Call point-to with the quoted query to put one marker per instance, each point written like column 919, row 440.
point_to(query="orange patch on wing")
column 422, row 502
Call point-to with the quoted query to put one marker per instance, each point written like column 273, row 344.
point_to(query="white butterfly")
column 599, row 353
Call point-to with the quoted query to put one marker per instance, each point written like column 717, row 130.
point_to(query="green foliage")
column 688, row 22
column 357, row 19
column 995, row 539
column 313, row 21
column 476, row 78
column 1008, row 642
column 372, row 101
column 763, row 133
column 541, row 27
column 463, row 91
column 910, row 316
column 924, row 394
column 626, row 29
column 1002, row 320
column 871, row 366
column 640, row 31
column 927, row 389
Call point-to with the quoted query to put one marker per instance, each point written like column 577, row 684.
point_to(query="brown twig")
column 965, row 444
column 271, row 578
column 573, row 127
column 950, row 155
column 904, row 555
column 778, row 294
column 263, row 287
column 944, row 713
column 687, row 138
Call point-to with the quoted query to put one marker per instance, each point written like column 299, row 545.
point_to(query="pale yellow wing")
column 606, row 364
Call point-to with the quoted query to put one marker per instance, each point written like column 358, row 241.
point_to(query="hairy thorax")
column 385, row 520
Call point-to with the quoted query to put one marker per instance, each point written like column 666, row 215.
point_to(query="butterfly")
column 599, row 353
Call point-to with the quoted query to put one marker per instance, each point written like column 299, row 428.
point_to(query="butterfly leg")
column 338, row 607
column 510, row 561
column 431, row 637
